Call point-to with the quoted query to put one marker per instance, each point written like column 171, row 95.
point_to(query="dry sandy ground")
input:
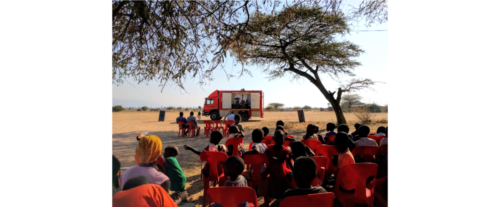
column 128, row 124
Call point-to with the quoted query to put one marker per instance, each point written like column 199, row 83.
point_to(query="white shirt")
column 383, row 141
column 380, row 134
column 260, row 147
column 230, row 117
column 365, row 141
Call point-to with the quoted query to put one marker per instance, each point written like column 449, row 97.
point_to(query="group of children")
column 288, row 166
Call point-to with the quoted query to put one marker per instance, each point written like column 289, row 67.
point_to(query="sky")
column 374, row 65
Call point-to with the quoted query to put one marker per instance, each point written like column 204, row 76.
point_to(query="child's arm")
column 187, row 147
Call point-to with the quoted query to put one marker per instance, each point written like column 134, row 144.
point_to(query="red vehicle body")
column 221, row 103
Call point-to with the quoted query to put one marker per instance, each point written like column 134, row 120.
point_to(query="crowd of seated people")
column 160, row 181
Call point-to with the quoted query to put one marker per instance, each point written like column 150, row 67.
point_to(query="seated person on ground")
column 304, row 173
column 364, row 140
column 280, row 175
column 147, row 152
column 138, row 191
column 384, row 140
column 213, row 146
column 237, row 119
column 230, row 117
column 355, row 134
column 116, row 174
column 380, row 131
column 193, row 119
column 175, row 174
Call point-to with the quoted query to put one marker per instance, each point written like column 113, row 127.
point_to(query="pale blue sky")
column 374, row 65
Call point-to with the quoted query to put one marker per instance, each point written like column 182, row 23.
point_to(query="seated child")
column 176, row 175
column 364, row 140
column 350, row 142
column 329, row 127
column 287, row 137
column 279, row 173
column 384, row 140
column 345, row 158
column 237, row 119
column 300, row 149
column 380, row 131
column 355, row 134
column 316, row 131
column 233, row 167
column 281, row 123
column 266, row 133
column 310, row 132
column 214, row 146
column 234, row 132
column 257, row 137
column 304, row 173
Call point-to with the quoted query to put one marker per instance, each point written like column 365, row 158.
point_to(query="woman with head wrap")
column 147, row 152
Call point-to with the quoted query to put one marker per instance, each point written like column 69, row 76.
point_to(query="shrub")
column 297, row 108
column 139, row 110
column 374, row 108
column 363, row 114
column 118, row 108
column 306, row 107
column 270, row 108
column 170, row 108
column 144, row 108
column 381, row 121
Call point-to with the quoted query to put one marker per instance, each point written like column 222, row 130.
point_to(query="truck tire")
column 214, row 115
column 245, row 116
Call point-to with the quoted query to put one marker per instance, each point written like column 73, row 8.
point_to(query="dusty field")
column 127, row 125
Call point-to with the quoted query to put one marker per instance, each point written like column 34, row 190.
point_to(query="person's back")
column 230, row 117
column 345, row 157
column 181, row 118
column 153, row 175
column 144, row 195
column 304, row 172
column 364, row 140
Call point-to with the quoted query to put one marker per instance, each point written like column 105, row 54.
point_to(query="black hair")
column 265, row 130
column 181, row 113
column 235, row 163
column 298, row 149
column 215, row 136
column 343, row 128
column 341, row 142
column 135, row 181
column 310, row 130
column 233, row 129
column 363, row 131
column 174, row 149
column 381, row 129
column 116, row 169
column 304, row 170
column 257, row 135
column 330, row 127
column 386, row 131
column 279, row 122
column 191, row 113
column 279, row 136
column 237, row 116
column 316, row 128
column 357, row 125
column 280, row 127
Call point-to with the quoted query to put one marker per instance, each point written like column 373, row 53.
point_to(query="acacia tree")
column 276, row 105
column 303, row 42
column 168, row 41
column 348, row 100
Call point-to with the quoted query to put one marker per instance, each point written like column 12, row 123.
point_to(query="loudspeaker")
column 302, row 117
column 162, row 116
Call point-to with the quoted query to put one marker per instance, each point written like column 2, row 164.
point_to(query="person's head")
column 304, row 171
column 257, row 135
column 135, row 181
column 316, row 128
column 279, row 122
column 357, row 125
column 330, row 127
column 280, row 127
column 279, row 137
column 170, row 151
column 233, row 166
column 265, row 130
column 310, row 130
column 298, row 149
column 148, row 149
column 386, row 132
column 215, row 137
column 191, row 113
column 116, row 170
column 181, row 114
column 381, row 129
column 340, row 142
column 363, row 131
column 237, row 118
column 343, row 128
column 233, row 129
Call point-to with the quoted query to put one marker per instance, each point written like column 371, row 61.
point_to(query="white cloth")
column 230, row 117
column 213, row 148
column 383, row 141
column 260, row 147
column 365, row 141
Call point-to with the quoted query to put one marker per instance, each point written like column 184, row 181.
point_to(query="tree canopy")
column 168, row 41
column 276, row 105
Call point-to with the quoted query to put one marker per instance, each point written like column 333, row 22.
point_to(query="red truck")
column 221, row 103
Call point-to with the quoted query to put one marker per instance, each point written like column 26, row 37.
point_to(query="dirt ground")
column 128, row 124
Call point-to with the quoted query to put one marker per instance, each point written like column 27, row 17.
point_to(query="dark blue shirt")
column 181, row 119
column 330, row 133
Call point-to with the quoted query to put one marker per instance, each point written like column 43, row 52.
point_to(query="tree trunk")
column 335, row 103
column 338, row 113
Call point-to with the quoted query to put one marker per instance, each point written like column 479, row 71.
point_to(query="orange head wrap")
column 148, row 150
